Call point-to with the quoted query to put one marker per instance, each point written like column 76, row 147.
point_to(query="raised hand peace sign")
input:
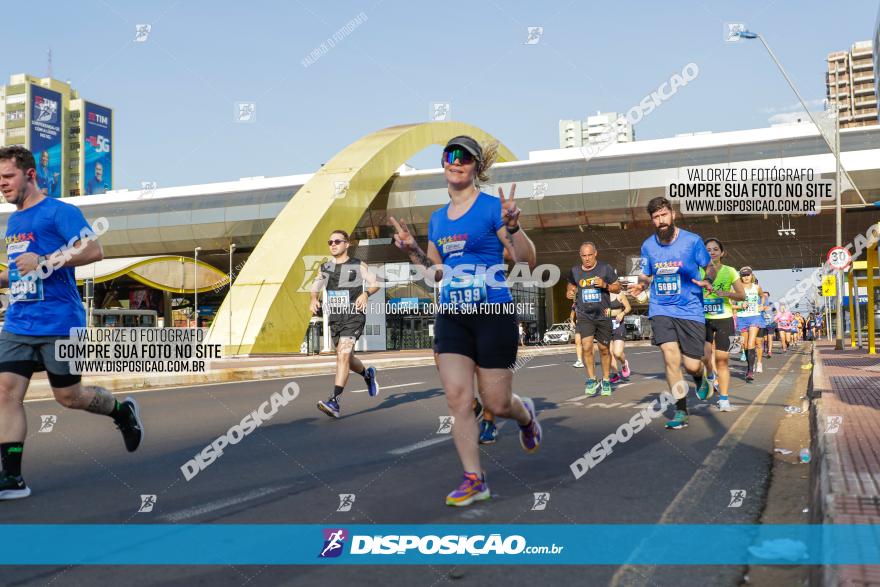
column 509, row 211
column 403, row 238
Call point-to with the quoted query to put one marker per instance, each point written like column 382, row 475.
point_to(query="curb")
column 825, row 459
column 40, row 389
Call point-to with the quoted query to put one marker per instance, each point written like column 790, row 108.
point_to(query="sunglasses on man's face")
column 464, row 157
column 336, row 241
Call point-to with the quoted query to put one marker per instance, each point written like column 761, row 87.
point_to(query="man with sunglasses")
column 347, row 299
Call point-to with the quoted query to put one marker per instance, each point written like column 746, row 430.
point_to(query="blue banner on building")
column 45, row 138
column 96, row 149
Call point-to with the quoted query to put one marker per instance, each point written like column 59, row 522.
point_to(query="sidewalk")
column 276, row 367
column 846, row 448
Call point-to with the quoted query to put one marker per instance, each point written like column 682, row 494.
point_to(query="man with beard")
column 671, row 261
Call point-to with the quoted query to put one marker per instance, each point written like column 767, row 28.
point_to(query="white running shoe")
column 759, row 368
column 578, row 364
column 724, row 405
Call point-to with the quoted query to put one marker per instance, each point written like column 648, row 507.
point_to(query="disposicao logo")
column 334, row 542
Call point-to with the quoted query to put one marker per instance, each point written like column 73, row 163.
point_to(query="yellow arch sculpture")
column 269, row 307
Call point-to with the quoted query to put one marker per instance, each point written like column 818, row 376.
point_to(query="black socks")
column 10, row 458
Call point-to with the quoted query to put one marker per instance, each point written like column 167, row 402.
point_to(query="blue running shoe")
column 488, row 432
column 329, row 407
column 592, row 388
column 606, row 388
column 679, row 421
column 706, row 388
column 372, row 384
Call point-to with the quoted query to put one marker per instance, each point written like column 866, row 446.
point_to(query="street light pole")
column 838, row 226
column 838, row 340
column 196, row 285
column 229, row 302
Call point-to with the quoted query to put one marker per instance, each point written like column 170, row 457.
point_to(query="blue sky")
column 174, row 95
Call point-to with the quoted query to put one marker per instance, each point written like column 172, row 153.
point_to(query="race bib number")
column 338, row 300
column 668, row 285
column 463, row 291
column 713, row 306
column 591, row 295
column 752, row 302
column 614, row 324
column 24, row 290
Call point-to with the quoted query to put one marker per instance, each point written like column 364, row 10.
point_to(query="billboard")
column 96, row 149
column 45, row 138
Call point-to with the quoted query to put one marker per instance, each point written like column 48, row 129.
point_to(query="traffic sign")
column 839, row 258
column 829, row 286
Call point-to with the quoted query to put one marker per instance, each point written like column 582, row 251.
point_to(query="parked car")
column 559, row 333
column 638, row 327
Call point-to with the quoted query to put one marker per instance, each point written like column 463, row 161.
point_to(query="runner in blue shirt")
column 671, row 261
column 45, row 239
column 475, row 333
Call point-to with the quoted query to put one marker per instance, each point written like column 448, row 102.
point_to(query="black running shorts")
column 352, row 326
column 491, row 340
column 599, row 328
column 720, row 331
column 689, row 334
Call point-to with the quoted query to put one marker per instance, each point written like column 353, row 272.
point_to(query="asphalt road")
column 387, row 452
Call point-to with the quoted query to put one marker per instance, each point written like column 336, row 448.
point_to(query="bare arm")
column 370, row 279
column 84, row 252
column 520, row 246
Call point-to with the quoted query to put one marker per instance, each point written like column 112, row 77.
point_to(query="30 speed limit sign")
column 839, row 258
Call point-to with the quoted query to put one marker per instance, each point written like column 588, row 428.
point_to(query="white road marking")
column 384, row 387
column 420, row 445
column 242, row 382
column 706, row 474
column 539, row 366
column 213, row 506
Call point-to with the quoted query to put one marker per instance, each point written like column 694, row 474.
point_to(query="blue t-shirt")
column 51, row 306
column 471, row 239
column 673, row 294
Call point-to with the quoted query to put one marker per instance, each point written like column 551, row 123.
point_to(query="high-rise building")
column 70, row 137
column 602, row 128
column 849, row 83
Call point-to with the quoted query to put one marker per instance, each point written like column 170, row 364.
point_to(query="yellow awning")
column 170, row 273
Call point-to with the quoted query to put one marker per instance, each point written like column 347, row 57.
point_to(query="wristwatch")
column 513, row 230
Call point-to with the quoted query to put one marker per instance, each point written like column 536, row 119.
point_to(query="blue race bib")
column 591, row 295
column 713, row 306
column 464, row 291
column 24, row 290
column 667, row 285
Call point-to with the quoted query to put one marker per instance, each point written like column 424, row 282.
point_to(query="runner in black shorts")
column 720, row 329
column 671, row 260
column 347, row 300
column 44, row 307
column 589, row 285
column 619, row 309
column 475, row 330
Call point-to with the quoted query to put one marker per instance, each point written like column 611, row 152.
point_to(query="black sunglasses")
column 336, row 241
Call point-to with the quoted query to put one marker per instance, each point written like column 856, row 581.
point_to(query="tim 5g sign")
column 102, row 144
column 839, row 258
column 97, row 173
